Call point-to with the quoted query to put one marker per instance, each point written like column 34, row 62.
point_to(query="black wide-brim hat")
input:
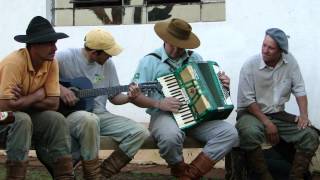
column 40, row 30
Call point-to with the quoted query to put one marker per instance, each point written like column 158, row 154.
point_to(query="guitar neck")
column 110, row 91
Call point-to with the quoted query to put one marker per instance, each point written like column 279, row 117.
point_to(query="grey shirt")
column 73, row 64
column 269, row 87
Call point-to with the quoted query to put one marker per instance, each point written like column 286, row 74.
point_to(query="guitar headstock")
column 152, row 86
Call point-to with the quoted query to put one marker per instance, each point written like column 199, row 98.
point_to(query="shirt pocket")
column 284, row 88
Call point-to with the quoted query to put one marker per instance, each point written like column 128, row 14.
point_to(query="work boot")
column 63, row 169
column 16, row 170
column 91, row 169
column 258, row 165
column 198, row 167
column 178, row 169
column 114, row 163
column 300, row 165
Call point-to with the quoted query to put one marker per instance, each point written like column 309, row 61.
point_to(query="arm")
column 247, row 100
column 167, row 104
column 271, row 129
column 67, row 96
column 22, row 102
column 48, row 103
column 134, row 91
column 303, row 120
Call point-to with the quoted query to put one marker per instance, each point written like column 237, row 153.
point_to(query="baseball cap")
column 99, row 39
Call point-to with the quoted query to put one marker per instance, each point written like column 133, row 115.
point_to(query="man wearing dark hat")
column 29, row 86
column 265, row 84
column 219, row 136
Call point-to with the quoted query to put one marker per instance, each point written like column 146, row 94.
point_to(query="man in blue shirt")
column 219, row 136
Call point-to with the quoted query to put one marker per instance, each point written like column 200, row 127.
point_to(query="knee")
column 249, row 133
column 56, row 118
column 89, row 119
column 23, row 121
column 312, row 138
column 171, row 139
column 233, row 136
column 143, row 132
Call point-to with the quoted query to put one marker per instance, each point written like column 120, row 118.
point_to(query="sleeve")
column 8, row 80
column 144, row 72
column 298, row 87
column 195, row 57
column 62, row 57
column 51, row 86
column 246, row 92
column 112, row 72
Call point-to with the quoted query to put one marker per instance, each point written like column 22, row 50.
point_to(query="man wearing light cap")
column 265, row 84
column 93, row 62
column 218, row 136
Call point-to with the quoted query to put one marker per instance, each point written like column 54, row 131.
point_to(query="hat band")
column 177, row 32
column 46, row 31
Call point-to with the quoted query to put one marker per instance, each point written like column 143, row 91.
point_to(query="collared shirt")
column 17, row 69
column 269, row 87
column 150, row 68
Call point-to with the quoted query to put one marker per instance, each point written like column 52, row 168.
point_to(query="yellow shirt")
column 17, row 69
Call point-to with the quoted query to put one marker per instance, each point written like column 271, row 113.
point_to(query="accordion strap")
column 169, row 64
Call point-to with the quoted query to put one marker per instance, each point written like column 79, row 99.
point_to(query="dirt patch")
column 132, row 171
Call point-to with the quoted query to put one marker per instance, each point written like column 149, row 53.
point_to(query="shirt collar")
column 42, row 70
column 263, row 65
column 165, row 57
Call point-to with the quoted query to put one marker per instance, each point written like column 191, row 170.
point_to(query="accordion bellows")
column 198, row 88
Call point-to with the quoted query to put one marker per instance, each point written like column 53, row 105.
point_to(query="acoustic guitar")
column 83, row 89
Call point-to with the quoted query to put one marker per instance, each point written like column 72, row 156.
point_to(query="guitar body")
column 85, row 104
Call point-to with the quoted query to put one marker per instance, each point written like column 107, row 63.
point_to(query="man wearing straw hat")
column 29, row 86
column 219, row 136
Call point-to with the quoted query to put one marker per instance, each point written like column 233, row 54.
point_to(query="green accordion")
column 198, row 88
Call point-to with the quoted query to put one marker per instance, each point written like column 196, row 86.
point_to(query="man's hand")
column 67, row 96
column 225, row 80
column 40, row 94
column 134, row 91
column 303, row 121
column 271, row 132
column 16, row 91
column 169, row 104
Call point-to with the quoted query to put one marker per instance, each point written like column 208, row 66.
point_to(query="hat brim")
column 161, row 30
column 114, row 51
column 40, row 39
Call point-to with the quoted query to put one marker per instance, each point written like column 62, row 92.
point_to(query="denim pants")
column 47, row 129
column 252, row 134
column 86, row 129
column 219, row 137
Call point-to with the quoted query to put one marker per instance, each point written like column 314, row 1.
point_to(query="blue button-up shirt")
column 151, row 67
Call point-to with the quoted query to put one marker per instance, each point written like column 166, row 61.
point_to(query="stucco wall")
column 230, row 42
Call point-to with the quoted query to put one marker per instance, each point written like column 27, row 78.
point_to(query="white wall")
column 230, row 42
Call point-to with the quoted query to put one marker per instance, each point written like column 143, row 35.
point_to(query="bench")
column 107, row 143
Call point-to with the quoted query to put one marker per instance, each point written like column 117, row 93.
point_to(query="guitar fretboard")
column 111, row 91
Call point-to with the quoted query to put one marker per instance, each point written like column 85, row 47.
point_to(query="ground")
column 132, row 171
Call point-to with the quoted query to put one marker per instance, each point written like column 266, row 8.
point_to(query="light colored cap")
column 99, row 39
